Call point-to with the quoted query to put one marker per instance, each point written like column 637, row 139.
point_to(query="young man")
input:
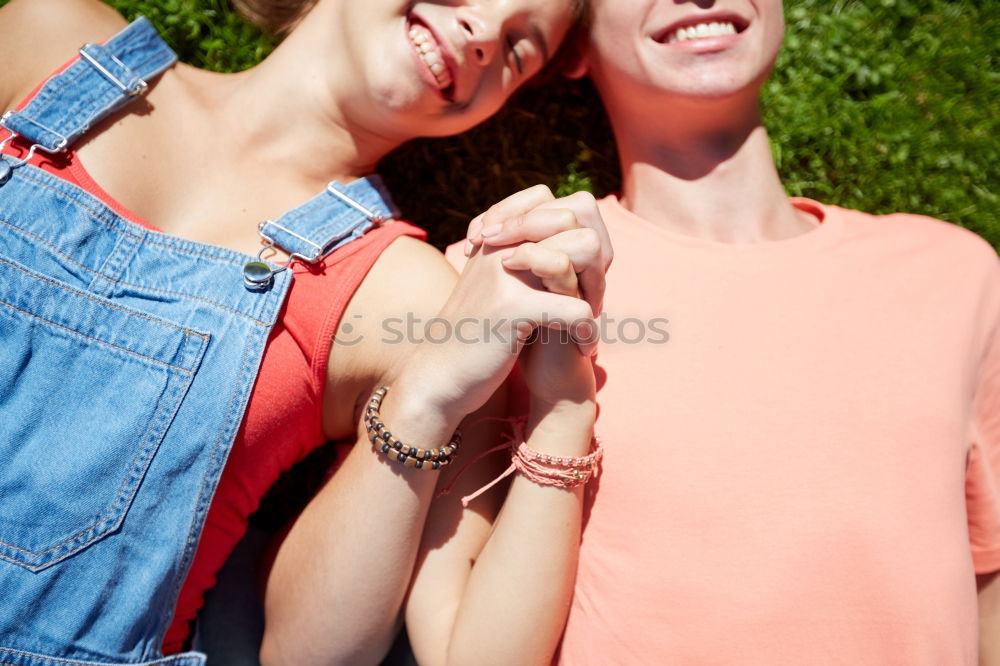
column 808, row 470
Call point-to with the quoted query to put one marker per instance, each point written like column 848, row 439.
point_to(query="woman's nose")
column 482, row 29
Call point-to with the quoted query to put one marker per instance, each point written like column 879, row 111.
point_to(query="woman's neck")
column 283, row 112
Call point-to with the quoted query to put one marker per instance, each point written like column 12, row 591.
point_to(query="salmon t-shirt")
column 802, row 447
column 806, row 469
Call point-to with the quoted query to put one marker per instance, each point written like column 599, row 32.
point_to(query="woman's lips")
column 430, row 52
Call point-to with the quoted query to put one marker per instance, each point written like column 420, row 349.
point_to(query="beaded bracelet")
column 394, row 449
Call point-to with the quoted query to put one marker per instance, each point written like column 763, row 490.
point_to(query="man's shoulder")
column 916, row 232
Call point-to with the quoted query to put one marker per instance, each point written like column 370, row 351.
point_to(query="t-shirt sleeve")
column 455, row 254
column 982, row 484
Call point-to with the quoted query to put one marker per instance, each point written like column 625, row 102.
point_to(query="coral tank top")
column 283, row 421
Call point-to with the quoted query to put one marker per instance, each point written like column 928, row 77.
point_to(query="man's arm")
column 989, row 619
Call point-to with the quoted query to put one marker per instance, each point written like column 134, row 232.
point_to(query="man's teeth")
column 429, row 52
column 701, row 31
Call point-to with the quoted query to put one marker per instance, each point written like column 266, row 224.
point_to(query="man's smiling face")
column 687, row 48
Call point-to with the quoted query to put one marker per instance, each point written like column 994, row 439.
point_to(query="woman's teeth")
column 430, row 53
column 701, row 31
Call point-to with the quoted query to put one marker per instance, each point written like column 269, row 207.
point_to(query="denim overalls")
column 127, row 358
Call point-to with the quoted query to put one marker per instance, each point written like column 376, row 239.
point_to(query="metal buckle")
column 7, row 166
column 61, row 146
column 272, row 243
column 375, row 218
column 258, row 274
column 137, row 87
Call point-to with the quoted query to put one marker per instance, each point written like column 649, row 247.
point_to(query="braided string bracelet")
column 559, row 471
column 384, row 442
column 540, row 468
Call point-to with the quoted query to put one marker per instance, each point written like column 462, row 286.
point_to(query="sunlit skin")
column 686, row 114
column 490, row 48
column 695, row 155
column 218, row 153
column 630, row 48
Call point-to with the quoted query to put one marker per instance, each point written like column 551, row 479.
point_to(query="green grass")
column 882, row 105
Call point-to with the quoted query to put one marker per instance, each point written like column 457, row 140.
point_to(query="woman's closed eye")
column 515, row 54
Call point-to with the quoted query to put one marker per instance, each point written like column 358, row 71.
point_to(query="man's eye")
column 517, row 57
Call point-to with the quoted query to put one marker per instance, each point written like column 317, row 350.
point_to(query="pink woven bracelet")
column 541, row 468
column 559, row 471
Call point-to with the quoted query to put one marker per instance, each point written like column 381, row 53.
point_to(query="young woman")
column 136, row 431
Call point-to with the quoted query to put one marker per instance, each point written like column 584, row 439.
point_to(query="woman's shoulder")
column 39, row 36
column 410, row 275
column 405, row 287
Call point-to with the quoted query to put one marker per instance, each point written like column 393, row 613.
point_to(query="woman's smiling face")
column 439, row 68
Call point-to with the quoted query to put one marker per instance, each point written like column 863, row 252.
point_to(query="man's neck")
column 706, row 177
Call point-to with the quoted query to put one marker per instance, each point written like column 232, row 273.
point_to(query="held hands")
column 570, row 226
column 564, row 243
column 539, row 270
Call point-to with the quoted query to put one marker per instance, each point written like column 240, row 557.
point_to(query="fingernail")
column 492, row 230
column 468, row 247
column 506, row 255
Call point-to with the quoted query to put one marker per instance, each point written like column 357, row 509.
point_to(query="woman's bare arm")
column 38, row 36
column 340, row 576
column 336, row 590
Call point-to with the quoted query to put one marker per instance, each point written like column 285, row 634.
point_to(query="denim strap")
column 332, row 218
column 104, row 79
column 107, row 77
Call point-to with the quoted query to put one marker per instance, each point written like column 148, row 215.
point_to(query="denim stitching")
column 113, row 265
column 165, row 660
column 134, row 313
column 71, row 114
column 79, row 196
column 147, row 449
column 153, row 290
column 103, row 342
column 98, row 529
column 201, row 507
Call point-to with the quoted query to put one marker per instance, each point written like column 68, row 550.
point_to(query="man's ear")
column 575, row 65
column 575, row 68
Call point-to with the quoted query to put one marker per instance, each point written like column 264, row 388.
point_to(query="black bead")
column 435, row 465
column 385, row 448
column 419, row 464
column 401, row 457
column 379, row 425
column 428, row 454
column 398, row 445
column 387, row 435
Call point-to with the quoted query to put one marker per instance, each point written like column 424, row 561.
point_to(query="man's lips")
column 435, row 56
column 702, row 26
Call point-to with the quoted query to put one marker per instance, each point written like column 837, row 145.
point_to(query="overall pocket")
column 87, row 391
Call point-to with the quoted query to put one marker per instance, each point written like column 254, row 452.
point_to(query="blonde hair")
column 278, row 17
